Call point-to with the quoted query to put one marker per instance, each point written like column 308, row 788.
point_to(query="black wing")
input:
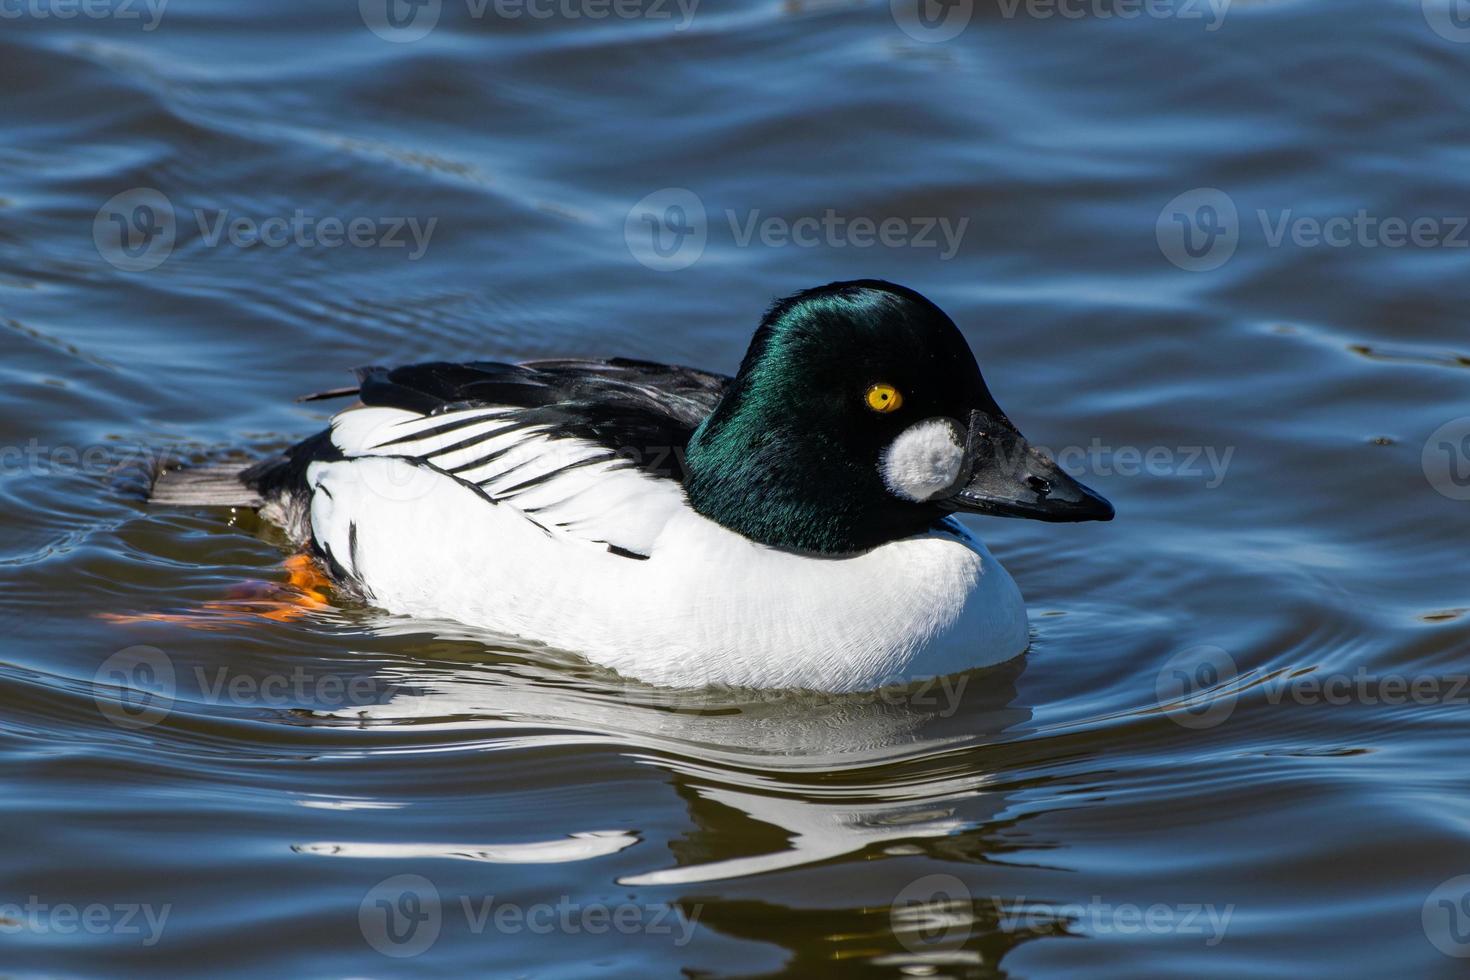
column 637, row 407
column 642, row 412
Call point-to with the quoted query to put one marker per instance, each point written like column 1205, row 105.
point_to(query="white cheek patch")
column 924, row 460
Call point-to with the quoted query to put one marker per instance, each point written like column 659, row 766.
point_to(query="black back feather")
column 642, row 411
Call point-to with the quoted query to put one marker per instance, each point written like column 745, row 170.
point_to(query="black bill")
column 1008, row 477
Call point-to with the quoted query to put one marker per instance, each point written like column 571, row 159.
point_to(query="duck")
column 793, row 526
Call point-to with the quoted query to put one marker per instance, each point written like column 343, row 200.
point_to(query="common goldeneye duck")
column 789, row 527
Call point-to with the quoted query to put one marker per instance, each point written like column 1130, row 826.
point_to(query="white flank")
column 707, row 607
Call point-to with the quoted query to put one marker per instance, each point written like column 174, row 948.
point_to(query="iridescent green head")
column 859, row 416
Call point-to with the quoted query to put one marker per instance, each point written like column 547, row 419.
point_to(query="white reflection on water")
column 834, row 774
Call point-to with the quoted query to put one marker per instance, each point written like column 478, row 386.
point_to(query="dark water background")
column 1302, row 517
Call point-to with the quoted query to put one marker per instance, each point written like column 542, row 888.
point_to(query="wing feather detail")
column 590, row 450
column 579, row 488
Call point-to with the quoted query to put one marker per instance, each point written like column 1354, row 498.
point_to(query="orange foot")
column 305, row 591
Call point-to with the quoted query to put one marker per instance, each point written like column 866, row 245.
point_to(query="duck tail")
column 204, row 486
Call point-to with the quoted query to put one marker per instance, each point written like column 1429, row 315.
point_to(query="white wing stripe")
column 564, row 481
column 461, row 449
column 424, row 423
column 531, row 461
column 439, row 442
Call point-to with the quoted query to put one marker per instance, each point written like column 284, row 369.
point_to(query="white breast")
column 708, row 607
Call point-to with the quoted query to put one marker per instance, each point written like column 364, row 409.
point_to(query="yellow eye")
column 884, row 398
